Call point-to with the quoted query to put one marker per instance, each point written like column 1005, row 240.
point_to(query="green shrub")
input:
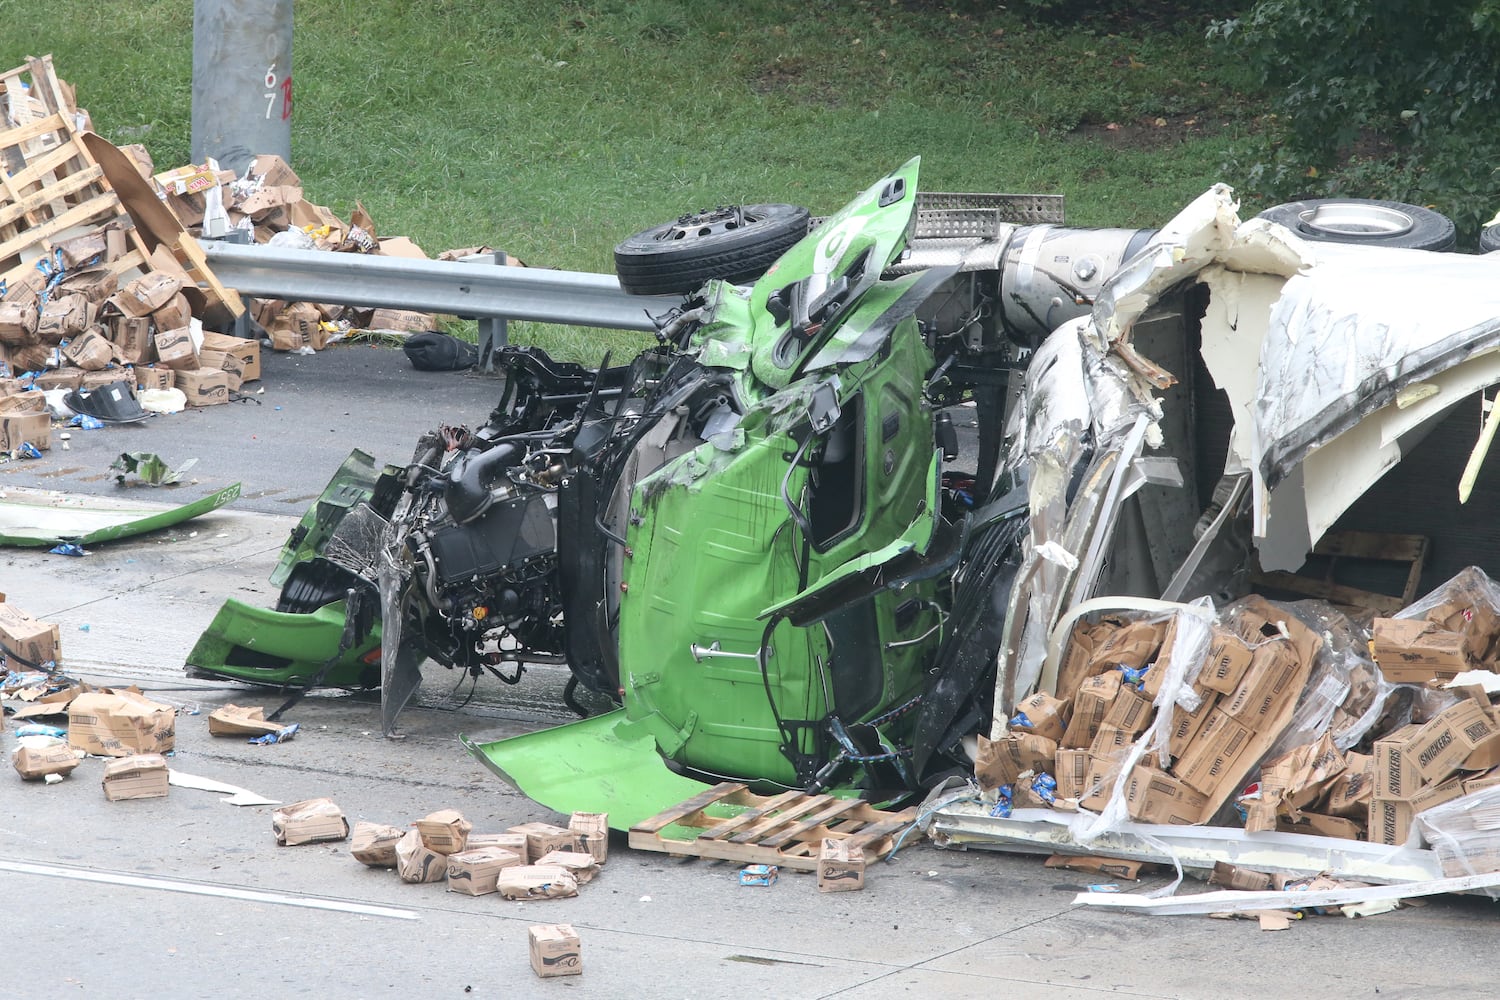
column 1374, row 98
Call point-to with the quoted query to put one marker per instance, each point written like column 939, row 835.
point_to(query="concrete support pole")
column 242, row 80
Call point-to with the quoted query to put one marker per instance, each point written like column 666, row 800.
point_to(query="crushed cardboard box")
column 310, row 821
column 374, row 844
column 241, row 720
column 120, row 723
column 416, row 864
column 536, row 882
column 476, row 872
column 33, row 763
column 580, row 863
column 444, row 832
column 542, row 838
column 594, row 828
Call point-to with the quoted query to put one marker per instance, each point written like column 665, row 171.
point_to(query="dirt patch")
column 1149, row 133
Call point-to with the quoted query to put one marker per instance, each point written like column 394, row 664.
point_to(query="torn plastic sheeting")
column 967, row 824
column 1239, row 901
column 150, row 467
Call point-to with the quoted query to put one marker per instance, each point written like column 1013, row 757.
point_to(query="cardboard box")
column 1269, row 684
column 310, row 821
column 1237, row 877
column 402, row 321
column 203, row 387
column 1395, row 774
column 225, row 362
column 173, row 313
column 1349, row 794
column 1390, row 821
column 512, row 842
column 555, row 950
column 90, row 350
column 1294, row 781
column 841, row 866
column 544, row 837
column 132, row 338
column 1227, row 661
column 1042, row 715
column 535, row 882
column 1090, row 704
column 18, row 323
column 35, row 763
column 1318, row 825
column 1130, row 711
column 143, row 776
column 1479, row 782
column 146, row 294
column 1218, row 757
column 95, row 284
column 594, row 828
column 1003, row 761
column 32, row 401
column 32, row 358
column 1111, row 742
column 1112, row 867
column 241, row 720
column 174, row 348
column 1449, row 741
column 374, row 844
column 1411, row 650
column 475, row 872
column 1099, row 784
column 416, row 864
column 444, row 832
column 26, row 640
column 1435, row 795
column 1133, row 646
column 1071, row 769
column 297, row 327
column 152, row 377
column 580, row 863
column 63, row 316
column 1153, row 796
column 1186, row 725
column 247, row 352
column 120, row 724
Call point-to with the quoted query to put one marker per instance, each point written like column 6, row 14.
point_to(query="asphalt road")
column 286, row 438
column 135, row 899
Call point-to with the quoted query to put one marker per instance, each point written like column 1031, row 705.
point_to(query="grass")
column 555, row 130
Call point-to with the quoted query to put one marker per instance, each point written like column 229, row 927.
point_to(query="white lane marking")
column 206, row 889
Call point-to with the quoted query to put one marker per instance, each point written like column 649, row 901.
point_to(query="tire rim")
column 1351, row 219
column 696, row 225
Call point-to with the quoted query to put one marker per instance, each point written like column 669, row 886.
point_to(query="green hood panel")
column 604, row 764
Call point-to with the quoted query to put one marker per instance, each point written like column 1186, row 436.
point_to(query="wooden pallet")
column 56, row 181
column 1337, row 546
column 733, row 824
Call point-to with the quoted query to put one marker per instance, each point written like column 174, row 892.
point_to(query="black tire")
column 736, row 244
column 1366, row 222
column 1489, row 238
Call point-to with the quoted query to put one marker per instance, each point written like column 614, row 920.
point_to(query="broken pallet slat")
column 784, row 830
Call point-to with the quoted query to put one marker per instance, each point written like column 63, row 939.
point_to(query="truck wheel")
column 1366, row 222
column 736, row 244
column 1489, row 238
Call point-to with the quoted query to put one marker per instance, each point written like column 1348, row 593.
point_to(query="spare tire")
column 1366, row 222
column 734, row 243
column 1489, row 238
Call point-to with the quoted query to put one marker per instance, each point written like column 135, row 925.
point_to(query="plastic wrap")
column 1465, row 834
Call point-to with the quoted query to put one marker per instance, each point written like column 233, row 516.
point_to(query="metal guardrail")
column 472, row 289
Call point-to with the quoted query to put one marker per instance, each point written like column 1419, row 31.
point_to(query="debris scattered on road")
column 308, row 822
column 37, row 757
column 841, row 866
column 555, row 950
column 242, row 720
column 476, row 872
column 595, row 830
column 150, row 468
column 444, row 832
column 759, row 875
column 530, row 882
column 234, row 794
column 416, row 863
column 374, row 844
column 139, row 776
column 114, row 723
